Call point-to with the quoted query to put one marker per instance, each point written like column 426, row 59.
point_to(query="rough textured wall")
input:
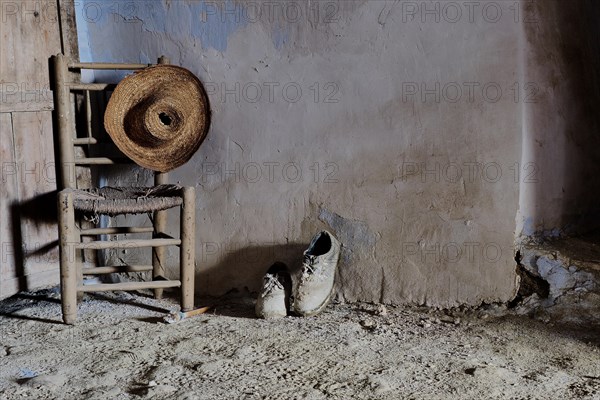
column 560, row 136
column 396, row 125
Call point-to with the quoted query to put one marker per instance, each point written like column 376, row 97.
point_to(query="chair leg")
column 68, row 261
column 158, row 253
column 160, row 226
column 79, row 274
column 187, row 251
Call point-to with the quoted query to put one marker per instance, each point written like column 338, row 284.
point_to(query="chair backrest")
column 68, row 138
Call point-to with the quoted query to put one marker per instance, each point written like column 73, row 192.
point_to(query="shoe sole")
column 272, row 316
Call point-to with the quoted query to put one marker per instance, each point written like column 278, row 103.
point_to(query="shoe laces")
column 309, row 264
column 272, row 282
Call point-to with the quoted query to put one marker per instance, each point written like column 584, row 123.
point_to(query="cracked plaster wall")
column 419, row 188
column 563, row 275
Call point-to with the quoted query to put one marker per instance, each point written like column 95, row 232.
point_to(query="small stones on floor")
column 424, row 324
column 448, row 319
column 368, row 323
column 381, row 310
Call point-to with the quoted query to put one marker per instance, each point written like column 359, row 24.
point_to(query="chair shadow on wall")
column 243, row 268
column 37, row 212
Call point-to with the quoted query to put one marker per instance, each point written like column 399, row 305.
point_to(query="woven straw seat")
column 127, row 200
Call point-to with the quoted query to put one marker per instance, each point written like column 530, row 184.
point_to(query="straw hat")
column 158, row 116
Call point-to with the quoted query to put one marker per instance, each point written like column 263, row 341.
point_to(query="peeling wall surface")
column 396, row 125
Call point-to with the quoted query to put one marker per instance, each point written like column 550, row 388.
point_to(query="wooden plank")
column 109, row 66
column 103, row 161
column 34, row 155
column 98, row 87
column 30, row 33
column 8, row 195
column 107, row 287
column 127, row 244
column 38, row 280
column 68, row 29
column 116, row 269
column 28, row 101
column 115, row 230
column 85, row 141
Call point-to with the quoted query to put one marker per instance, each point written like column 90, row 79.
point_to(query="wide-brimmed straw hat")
column 158, row 116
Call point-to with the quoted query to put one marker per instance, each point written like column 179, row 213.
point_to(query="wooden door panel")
column 34, row 151
column 8, row 195
column 28, row 232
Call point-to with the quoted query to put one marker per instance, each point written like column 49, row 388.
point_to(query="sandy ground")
column 120, row 349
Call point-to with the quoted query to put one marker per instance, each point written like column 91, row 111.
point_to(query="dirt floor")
column 121, row 349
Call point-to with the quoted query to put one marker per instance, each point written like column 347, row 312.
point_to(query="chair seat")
column 127, row 200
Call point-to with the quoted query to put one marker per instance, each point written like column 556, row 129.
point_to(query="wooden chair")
column 74, row 201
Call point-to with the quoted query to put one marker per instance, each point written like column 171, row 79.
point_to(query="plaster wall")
column 396, row 125
column 560, row 128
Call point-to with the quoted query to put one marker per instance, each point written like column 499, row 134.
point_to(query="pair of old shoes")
column 312, row 289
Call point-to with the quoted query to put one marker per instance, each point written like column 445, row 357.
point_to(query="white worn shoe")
column 273, row 299
column 314, row 286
